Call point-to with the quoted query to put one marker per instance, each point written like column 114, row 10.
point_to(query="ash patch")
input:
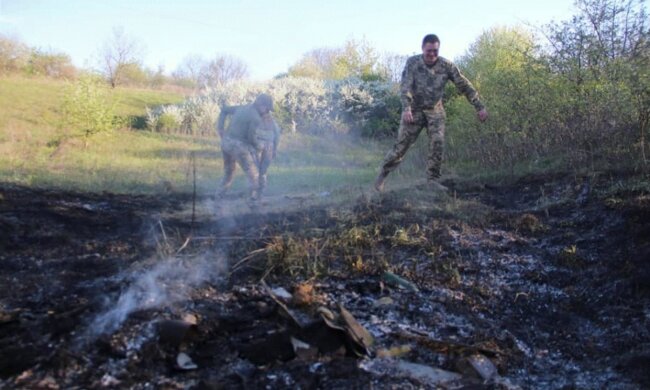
column 551, row 291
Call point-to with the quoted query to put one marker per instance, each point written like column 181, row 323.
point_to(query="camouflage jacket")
column 423, row 86
column 269, row 132
column 243, row 125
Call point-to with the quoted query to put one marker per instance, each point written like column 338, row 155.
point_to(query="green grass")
column 136, row 161
column 30, row 117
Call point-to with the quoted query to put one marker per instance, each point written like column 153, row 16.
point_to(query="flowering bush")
column 301, row 105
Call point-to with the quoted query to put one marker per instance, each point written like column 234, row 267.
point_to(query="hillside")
column 125, row 271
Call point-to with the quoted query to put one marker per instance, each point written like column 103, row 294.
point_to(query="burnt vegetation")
column 552, row 293
column 532, row 271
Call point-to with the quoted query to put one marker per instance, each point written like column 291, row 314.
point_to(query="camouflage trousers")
column 434, row 121
column 264, row 159
column 238, row 152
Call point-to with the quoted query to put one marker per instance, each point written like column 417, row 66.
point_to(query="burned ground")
column 547, row 279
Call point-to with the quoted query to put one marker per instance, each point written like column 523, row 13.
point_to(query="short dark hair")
column 430, row 38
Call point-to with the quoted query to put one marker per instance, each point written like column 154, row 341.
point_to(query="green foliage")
column 356, row 59
column 313, row 106
column 14, row 55
column 371, row 107
column 580, row 103
column 515, row 86
column 601, row 58
column 88, row 108
column 166, row 123
column 18, row 58
column 55, row 65
column 134, row 74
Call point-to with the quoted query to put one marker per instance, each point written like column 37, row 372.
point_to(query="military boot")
column 380, row 181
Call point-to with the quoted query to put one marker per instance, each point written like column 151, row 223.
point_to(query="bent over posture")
column 422, row 87
column 239, row 143
column 268, row 139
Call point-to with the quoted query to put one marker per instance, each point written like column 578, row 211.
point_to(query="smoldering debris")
column 169, row 281
column 466, row 301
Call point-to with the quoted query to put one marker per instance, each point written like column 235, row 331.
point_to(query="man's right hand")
column 407, row 116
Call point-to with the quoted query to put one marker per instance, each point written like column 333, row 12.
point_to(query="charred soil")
column 547, row 280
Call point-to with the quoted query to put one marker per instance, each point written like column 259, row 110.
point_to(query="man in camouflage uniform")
column 268, row 138
column 239, row 144
column 422, row 87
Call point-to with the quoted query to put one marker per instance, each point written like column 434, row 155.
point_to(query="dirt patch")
column 544, row 281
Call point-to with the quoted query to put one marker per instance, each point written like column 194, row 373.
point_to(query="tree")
column 603, row 56
column 222, row 69
column 316, row 64
column 188, row 72
column 48, row 64
column 356, row 59
column 88, row 109
column 391, row 66
column 119, row 54
column 502, row 64
column 14, row 55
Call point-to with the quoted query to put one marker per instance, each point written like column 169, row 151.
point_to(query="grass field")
column 140, row 161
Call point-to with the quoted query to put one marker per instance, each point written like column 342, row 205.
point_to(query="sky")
column 269, row 36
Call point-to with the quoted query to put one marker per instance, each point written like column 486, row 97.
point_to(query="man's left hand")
column 482, row 115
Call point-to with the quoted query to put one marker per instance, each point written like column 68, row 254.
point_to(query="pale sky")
column 269, row 36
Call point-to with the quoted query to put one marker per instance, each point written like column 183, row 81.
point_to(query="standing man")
column 239, row 144
column 422, row 87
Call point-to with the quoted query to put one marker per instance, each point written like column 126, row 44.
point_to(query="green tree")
column 356, row 59
column 88, row 108
column 56, row 65
column 602, row 55
column 118, row 56
column 316, row 64
column 502, row 64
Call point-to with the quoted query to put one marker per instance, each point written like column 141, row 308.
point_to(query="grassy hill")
column 141, row 161
column 31, row 117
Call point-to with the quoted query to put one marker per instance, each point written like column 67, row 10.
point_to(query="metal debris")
column 184, row 362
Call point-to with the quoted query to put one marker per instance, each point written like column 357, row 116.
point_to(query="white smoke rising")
column 168, row 282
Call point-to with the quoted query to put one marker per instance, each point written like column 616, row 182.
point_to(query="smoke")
column 169, row 281
column 309, row 170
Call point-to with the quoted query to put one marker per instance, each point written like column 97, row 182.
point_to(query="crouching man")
column 239, row 142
